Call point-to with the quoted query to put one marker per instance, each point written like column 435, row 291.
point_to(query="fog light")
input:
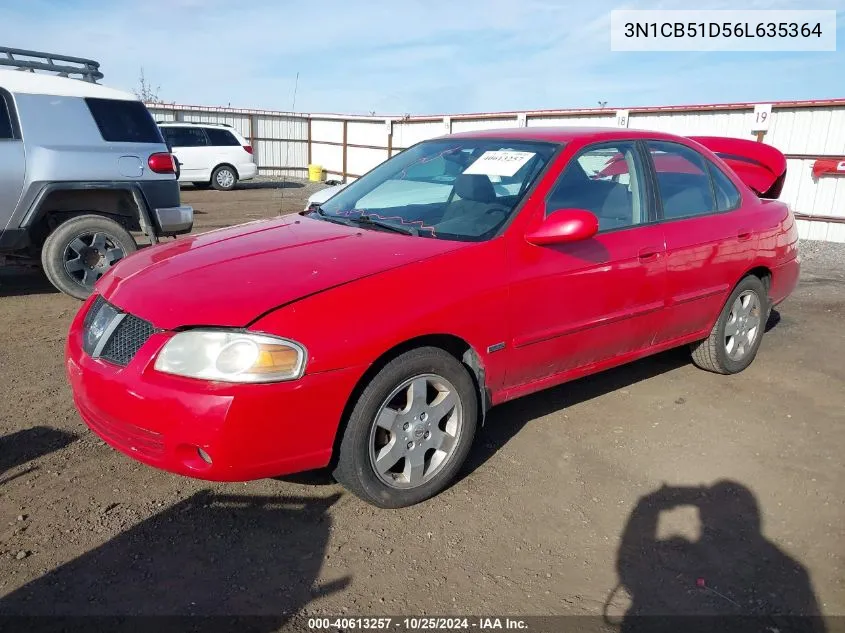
column 204, row 456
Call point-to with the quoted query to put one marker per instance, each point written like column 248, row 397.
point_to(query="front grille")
column 126, row 340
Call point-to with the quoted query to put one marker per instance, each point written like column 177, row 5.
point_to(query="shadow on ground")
column 17, row 282
column 505, row 421
column 254, row 184
column 210, row 555
column 24, row 446
column 727, row 576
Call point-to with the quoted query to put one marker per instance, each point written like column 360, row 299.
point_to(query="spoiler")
column 760, row 166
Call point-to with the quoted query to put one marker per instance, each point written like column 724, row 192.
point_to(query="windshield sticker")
column 500, row 162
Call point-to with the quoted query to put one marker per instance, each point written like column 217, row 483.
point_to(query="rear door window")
column 185, row 136
column 123, row 121
column 727, row 195
column 221, row 138
column 683, row 180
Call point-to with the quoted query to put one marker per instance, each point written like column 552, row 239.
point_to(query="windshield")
column 454, row 189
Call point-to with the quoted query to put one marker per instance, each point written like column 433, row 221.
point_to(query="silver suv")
column 81, row 165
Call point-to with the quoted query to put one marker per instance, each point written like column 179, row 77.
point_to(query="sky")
column 410, row 56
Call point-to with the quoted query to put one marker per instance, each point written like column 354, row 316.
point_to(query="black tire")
column 712, row 354
column 355, row 469
column 219, row 180
column 59, row 251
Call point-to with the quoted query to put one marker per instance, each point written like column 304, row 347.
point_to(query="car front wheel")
column 410, row 430
column 738, row 332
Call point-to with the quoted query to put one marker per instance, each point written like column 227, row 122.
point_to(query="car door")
column 190, row 145
column 709, row 242
column 582, row 303
column 12, row 159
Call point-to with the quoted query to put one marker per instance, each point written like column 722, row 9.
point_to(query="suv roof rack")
column 87, row 69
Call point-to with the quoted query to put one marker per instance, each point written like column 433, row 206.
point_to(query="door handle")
column 743, row 235
column 648, row 253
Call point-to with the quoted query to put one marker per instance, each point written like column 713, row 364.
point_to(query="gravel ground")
column 555, row 486
column 824, row 255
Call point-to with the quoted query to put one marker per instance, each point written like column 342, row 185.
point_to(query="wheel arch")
column 59, row 202
column 226, row 164
column 762, row 272
column 449, row 343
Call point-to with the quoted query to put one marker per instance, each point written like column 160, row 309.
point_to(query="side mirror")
column 564, row 225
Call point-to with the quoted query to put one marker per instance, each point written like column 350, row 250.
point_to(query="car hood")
column 232, row 276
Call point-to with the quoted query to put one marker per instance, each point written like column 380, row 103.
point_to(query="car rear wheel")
column 224, row 178
column 738, row 332
column 410, row 430
column 82, row 250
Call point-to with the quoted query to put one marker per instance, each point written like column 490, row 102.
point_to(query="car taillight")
column 161, row 163
column 248, row 148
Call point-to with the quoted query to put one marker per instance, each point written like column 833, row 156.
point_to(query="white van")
column 210, row 155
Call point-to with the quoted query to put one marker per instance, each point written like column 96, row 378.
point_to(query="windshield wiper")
column 331, row 218
column 396, row 228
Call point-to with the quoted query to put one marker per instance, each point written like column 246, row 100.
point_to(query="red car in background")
column 374, row 332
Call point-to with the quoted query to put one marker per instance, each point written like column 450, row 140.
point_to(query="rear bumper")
column 247, row 171
column 174, row 220
column 784, row 280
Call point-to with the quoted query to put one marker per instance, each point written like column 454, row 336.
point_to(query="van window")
column 220, row 138
column 185, row 136
column 124, row 121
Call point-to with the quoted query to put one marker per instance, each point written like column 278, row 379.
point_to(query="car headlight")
column 231, row 357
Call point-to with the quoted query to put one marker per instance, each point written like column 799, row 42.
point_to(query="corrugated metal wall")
column 349, row 146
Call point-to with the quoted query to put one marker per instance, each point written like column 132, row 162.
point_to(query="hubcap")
column 88, row 256
column 225, row 178
column 743, row 325
column 415, row 431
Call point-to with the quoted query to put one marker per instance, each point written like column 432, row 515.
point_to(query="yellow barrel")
column 315, row 173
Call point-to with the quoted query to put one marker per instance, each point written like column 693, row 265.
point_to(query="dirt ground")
column 534, row 526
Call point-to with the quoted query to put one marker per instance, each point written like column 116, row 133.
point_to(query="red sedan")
column 374, row 332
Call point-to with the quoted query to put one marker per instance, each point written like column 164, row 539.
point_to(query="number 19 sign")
column 762, row 117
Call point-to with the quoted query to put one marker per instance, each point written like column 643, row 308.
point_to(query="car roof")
column 565, row 134
column 19, row 82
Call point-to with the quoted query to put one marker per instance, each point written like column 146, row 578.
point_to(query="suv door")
column 709, row 242
column 190, row 145
column 578, row 304
column 12, row 159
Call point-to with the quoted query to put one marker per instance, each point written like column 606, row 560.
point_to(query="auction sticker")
column 500, row 162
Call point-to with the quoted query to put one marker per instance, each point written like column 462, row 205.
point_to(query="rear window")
column 218, row 137
column 124, row 121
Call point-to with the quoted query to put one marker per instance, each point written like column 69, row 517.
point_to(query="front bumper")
column 175, row 220
column 249, row 431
